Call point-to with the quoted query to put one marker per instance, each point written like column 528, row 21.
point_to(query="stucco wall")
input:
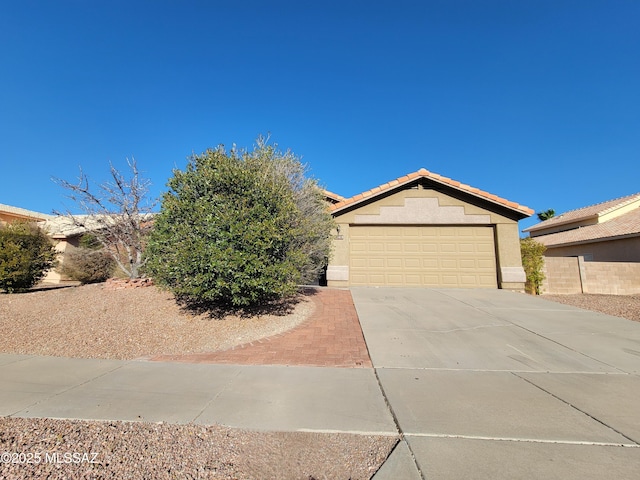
column 622, row 250
column 61, row 246
column 566, row 275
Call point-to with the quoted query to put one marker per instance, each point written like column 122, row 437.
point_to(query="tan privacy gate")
column 461, row 256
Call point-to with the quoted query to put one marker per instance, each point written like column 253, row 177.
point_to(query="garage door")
column 422, row 256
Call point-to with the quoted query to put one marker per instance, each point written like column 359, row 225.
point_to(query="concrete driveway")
column 499, row 385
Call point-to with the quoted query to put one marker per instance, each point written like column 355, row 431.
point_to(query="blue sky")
column 535, row 101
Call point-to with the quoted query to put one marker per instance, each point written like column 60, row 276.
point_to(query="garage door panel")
column 394, row 247
column 377, row 263
column 429, row 247
column 485, row 248
column 486, row 264
column 468, row 264
column 448, row 247
column 358, row 263
column 412, row 263
column 394, row 262
column 423, row 255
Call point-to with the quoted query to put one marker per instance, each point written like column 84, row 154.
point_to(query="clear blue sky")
column 535, row 101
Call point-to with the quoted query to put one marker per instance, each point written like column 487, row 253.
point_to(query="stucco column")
column 511, row 275
column 338, row 269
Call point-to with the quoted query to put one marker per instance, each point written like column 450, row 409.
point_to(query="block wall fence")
column 566, row 275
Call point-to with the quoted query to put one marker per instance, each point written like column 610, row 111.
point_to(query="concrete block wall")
column 562, row 275
column 567, row 275
column 614, row 278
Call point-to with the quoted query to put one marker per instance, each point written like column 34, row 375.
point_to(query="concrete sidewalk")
column 274, row 398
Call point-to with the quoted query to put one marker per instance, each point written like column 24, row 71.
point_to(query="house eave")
column 593, row 240
column 537, row 227
column 371, row 195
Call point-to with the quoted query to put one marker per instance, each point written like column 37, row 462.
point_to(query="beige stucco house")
column 605, row 232
column 9, row 214
column 59, row 229
column 424, row 229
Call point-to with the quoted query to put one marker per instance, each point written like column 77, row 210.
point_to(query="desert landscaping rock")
column 106, row 450
column 95, row 321
column 625, row 306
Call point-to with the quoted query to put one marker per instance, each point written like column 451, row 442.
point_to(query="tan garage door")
column 422, row 256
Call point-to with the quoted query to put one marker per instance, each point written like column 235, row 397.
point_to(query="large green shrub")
column 533, row 262
column 26, row 254
column 239, row 228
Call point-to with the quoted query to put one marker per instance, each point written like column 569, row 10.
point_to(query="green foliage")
column 239, row 229
column 88, row 265
column 533, row 261
column 89, row 241
column 26, row 254
column 546, row 215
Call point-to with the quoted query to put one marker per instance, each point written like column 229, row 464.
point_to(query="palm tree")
column 546, row 215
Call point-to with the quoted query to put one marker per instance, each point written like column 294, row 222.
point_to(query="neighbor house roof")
column 439, row 179
column 625, row 225
column 23, row 212
column 333, row 197
column 64, row 226
column 591, row 212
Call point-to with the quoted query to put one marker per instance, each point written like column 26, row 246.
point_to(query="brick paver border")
column 331, row 337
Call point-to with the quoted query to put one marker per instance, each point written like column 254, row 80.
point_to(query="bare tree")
column 118, row 214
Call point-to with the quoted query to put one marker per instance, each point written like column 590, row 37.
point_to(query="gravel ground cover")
column 93, row 321
column 56, row 449
column 96, row 322
column 625, row 306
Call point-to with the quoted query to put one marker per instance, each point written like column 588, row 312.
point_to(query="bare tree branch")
column 118, row 214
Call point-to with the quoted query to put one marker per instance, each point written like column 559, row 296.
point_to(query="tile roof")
column 333, row 196
column 64, row 226
column 591, row 211
column 24, row 212
column 627, row 224
column 423, row 173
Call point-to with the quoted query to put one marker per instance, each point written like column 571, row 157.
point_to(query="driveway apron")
column 500, row 385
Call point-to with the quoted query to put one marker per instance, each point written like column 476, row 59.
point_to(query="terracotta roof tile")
column 624, row 225
column 423, row 173
column 585, row 212
column 332, row 195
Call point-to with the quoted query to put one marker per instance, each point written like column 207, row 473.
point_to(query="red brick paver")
column 332, row 337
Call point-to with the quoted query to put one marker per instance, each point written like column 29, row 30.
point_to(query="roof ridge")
column 628, row 197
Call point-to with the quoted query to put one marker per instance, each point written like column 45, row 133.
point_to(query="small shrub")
column 532, row 260
column 88, row 265
column 26, row 254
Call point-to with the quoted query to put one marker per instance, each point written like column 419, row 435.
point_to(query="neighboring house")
column 424, row 229
column 65, row 236
column 16, row 214
column 13, row 214
column 606, row 232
